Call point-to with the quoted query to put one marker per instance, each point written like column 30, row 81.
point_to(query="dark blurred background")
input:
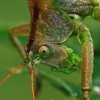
column 12, row 13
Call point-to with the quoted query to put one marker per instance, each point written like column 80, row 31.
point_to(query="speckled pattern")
column 80, row 7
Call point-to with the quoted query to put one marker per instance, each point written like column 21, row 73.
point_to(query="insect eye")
column 44, row 51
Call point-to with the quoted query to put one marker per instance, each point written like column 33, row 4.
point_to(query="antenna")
column 13, row 72
column 26, row 61
column 32, row 83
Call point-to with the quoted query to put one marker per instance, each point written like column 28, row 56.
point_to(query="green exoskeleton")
column 52, row 23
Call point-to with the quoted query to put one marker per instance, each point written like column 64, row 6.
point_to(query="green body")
column 52, row 23
column 58, row 20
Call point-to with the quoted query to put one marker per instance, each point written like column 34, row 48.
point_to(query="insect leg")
column 85, row 39
column 15, row 41
column 22, row 30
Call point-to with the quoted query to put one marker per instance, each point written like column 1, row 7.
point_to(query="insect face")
column 58, row 57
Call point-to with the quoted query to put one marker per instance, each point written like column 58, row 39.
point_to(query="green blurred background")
column 12, row 13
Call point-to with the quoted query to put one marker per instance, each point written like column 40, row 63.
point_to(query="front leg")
column 14, row 32
column 87, row 58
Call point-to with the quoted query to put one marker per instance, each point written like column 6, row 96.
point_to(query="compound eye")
column 44, row 51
